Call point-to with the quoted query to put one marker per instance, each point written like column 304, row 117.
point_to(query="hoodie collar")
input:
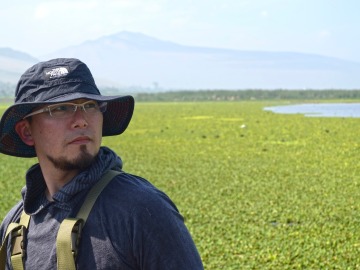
column 34, row 192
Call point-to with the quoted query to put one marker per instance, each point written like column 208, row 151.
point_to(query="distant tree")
column 250, row 94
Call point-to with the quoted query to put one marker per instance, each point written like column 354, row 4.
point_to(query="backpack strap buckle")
column 75, row 236
column 18, row 241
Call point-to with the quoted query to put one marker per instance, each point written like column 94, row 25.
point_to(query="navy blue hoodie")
column 132, row 225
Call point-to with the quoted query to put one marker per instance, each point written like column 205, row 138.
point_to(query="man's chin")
column 80, row 162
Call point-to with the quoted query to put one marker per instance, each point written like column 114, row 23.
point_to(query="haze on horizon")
column 321, row 27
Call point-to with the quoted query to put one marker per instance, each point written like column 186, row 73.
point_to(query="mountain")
column 128, row 59
column 13, row 64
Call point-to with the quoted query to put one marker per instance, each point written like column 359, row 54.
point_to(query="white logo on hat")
column 57, row 72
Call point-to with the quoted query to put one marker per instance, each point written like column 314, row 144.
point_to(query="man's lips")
column 80, row 140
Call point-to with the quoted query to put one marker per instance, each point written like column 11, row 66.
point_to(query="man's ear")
column 22, row 128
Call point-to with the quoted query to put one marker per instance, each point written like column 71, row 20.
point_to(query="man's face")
column 69, row 143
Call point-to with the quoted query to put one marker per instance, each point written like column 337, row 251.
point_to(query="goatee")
column 81, row 162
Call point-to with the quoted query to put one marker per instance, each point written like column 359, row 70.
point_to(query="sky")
column 326, row 27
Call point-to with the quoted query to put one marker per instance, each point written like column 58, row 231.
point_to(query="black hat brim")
column 116, row 119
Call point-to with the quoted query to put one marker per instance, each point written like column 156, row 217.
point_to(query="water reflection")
column 319, row 109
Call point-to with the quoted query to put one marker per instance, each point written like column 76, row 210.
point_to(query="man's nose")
column 79, row 118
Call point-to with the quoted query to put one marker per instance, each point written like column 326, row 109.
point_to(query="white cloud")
column 264, row 13
column 63, row 8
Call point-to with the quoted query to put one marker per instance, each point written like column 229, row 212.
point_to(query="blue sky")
column 327, row 27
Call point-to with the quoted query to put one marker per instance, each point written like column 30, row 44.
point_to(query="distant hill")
column 137, row 61
column 13, row 64
column 130, row 58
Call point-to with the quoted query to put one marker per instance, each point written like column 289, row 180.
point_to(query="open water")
column 319, row 109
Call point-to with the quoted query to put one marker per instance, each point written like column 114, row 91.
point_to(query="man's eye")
column 61, row 108
column 90, row 105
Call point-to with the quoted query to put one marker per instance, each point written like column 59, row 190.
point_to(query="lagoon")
column 319, row 109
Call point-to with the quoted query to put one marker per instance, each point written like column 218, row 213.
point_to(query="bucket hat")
column 55, row 81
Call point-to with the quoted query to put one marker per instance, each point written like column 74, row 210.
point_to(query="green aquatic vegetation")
column 257, row 190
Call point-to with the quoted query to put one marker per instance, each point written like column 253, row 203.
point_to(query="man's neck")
column 55, row 179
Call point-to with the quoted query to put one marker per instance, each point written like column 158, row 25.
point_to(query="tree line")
column 250, row 94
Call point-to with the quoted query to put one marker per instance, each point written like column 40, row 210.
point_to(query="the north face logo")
column 56, row 72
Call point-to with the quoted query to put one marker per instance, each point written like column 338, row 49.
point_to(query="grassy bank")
column 258, row 190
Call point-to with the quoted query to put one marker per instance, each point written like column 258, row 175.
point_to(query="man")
column 59, row 116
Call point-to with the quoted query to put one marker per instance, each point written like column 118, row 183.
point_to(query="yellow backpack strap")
column 16, row 231
column 3, row 250
column 18, row 243
column 94, row 193
column 67, row 242
column 68, row 237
